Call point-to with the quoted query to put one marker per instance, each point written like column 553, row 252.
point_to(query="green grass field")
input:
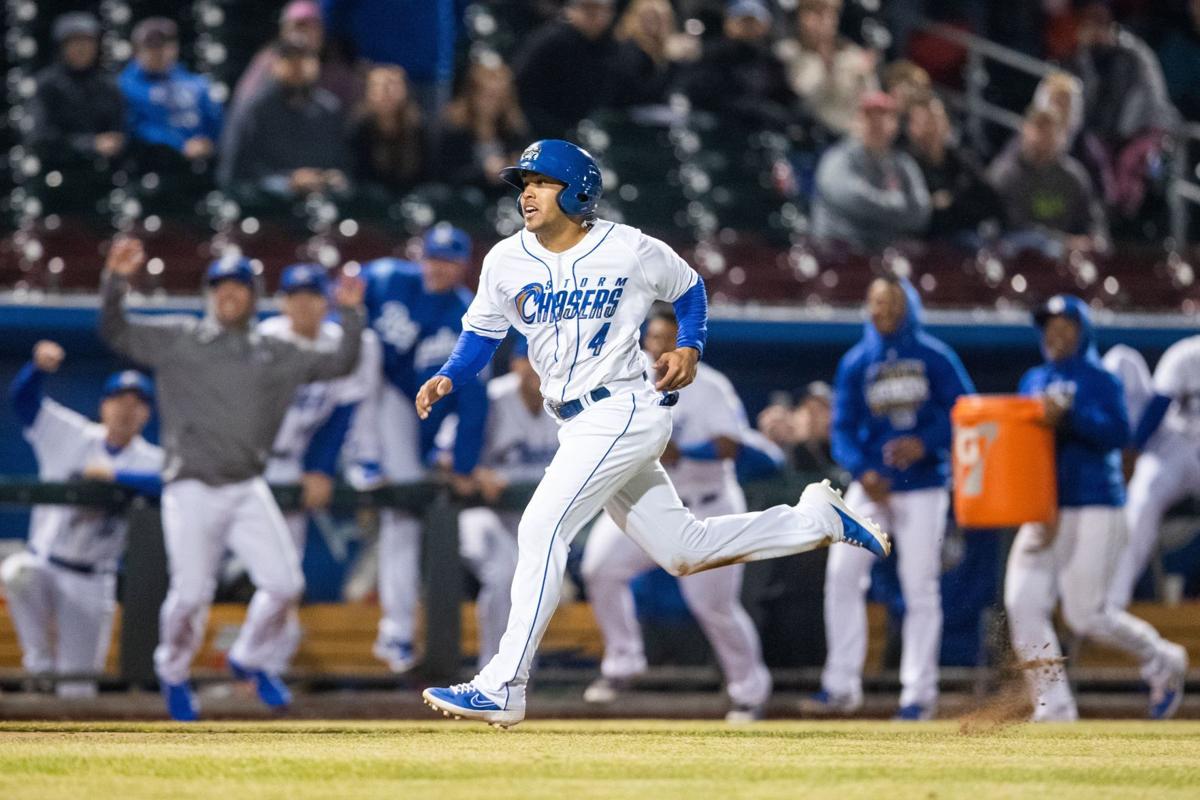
column 577, row 760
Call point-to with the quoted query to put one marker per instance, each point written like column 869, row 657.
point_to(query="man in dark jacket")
column 1073, row 559
column 563, row 72
column 289, row 138
column 77, row 110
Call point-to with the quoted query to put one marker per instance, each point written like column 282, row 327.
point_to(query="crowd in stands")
column 362, row 99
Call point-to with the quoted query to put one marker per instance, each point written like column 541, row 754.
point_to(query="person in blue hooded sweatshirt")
column 1073, row 561
column 891, row 432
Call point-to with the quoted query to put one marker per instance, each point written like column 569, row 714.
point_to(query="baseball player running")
column 708, row 425
column 314, row 429
column 891, row 431
column 1165, row 412
column 1074, row 560
column 224, row 390
column 519, row 442
column 62, row 590
column 416, row 311
column 578, row 288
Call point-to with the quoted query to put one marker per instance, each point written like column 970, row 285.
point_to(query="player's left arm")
column 1097, row 415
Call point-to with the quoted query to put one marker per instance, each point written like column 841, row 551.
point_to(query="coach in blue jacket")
column 891, row 432
column 1075, row 559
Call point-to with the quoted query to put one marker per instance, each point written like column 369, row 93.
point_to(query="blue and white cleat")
column 270, row 687
column 464, row 701
column 1166, row 693
column 181, row 702
column 914, row 712
column 857, row 530
column 826, row 704
column 397, row 654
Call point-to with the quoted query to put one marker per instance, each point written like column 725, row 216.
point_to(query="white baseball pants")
column 608, row 460
column 917, row 523
column 487, row 543
column 199, row 522
column 1075, row 567
column 63, row 620
column 612, row 560
column 1163, row 476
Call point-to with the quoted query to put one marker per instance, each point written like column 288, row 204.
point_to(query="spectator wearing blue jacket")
column 1074, row 559
column 891, row 432
column 169, row 108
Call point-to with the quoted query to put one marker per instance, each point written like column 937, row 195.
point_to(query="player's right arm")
column 50, row 428
column 484, row 328
column 25, row 392
column 144, row 339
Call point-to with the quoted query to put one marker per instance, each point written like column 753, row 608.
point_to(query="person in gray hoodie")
column 223, row 392
column 869, row 192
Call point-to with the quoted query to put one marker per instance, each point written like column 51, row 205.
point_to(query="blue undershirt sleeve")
column 1152, row 417
column 705, row 451
column 147, row 483
column 326, row 443
column 25, row 394
column 691, row 310
column 471, row 354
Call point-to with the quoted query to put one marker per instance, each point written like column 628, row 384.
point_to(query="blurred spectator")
column 649, row 50
column 301, row 20
column 738, row 75
column 1049, row 203
column 170, row 110
column 418, row 35
column 1126, row 107
column 387, row 134
column 869, row 193
column 76, row 111
column 564, row 70
column 802, row 429
column 1179, row 53
column 960, row 196
column 905, row 82
column 483, row 129
column 288, row 139
column 828, row 72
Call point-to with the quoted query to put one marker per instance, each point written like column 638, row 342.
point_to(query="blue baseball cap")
column 304, row 278
column 129, row 380
column 233, row 267
column 749, row 8
column 445, row 242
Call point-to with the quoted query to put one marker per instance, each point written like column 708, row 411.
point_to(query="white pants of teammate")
column 608, row 460
column 917, row 522
column 199, row 522
column 1075, row 568
column 278, row 663
column 612, row 560
column 1163, row 476
column 399, row 531
column 63, row 619
column 487, row 543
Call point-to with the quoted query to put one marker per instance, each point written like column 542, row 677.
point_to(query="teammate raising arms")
column 578, row 288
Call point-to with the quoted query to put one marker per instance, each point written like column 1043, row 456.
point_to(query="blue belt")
column 571, row 408
column 73, row 566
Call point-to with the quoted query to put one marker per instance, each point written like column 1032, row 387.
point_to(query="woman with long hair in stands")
column 483, row 127
column 388, row 135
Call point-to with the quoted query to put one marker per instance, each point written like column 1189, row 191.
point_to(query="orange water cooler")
column 1003, row 462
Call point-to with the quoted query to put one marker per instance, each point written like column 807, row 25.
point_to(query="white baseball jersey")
column 518, row 443
column 1178, row 376
column 707, row 408
column 65, row 442
column 581, row 310
column 314, row 402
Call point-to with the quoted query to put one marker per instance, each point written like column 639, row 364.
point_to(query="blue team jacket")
column 888, row 387
column 171, row 108
column 418, row 331
column 1088, row 442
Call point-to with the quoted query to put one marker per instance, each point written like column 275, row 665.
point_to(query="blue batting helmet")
column 304, row 278
column 129, row 381
column 448, row 243
column 230, row 267
column 564, row 162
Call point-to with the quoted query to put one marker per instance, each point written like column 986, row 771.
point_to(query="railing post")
column 977, row 79
column 443, row 589
column 145, row 587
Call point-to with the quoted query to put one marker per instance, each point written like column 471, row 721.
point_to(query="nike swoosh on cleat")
column 488, row 704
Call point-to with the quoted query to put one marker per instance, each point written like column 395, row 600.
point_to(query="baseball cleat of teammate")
column 271, row 689
column 182, row 705
column 578, row 288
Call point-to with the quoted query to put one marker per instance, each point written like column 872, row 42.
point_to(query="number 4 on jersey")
column 597, row 342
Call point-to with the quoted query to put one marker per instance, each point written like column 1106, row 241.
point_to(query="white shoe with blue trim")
column 857, row 530
column 464, row 701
